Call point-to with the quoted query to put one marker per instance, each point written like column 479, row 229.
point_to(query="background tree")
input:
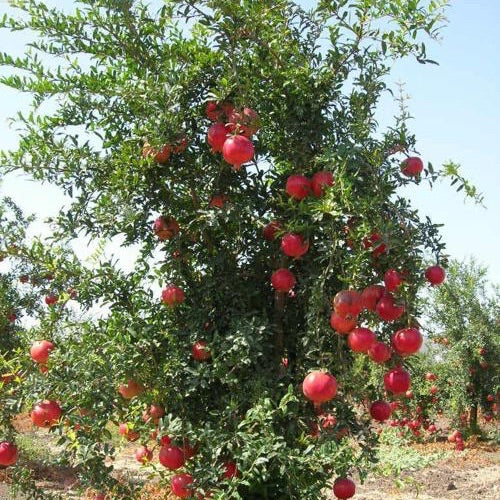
column 137, row 89
column 465, row 317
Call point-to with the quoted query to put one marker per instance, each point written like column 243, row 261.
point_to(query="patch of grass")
column 36, row 448
column 396, row 456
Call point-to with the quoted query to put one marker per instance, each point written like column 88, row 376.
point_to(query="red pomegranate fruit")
column 392, row 280
column 412, row 167
column 298, row 187
column 397, row 380
column 131, row 389
column 237, row 150
column 347, row 302
column 171, row 457
column 165, row 228
column 293, row 245
column 8, row 453
column 343, row 324
column 361, row 339
column 200, row 351
column 283, row 280
column 344, row 488
column 380, row 352
column 181, row 485
column 370, row 296
column 435, row 275
column 407, row 341
column 319, row 181
column 387, row 309
column 172, row 296
column 319, row 386
column 143, row 455
column 216, row 136
column 380, row 410
column 271, row 229
column 40, row 350
column 46, row 413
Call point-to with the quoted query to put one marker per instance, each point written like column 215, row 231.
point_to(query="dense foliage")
column 124, row 95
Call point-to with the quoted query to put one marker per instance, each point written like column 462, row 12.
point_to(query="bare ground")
column 470, row 475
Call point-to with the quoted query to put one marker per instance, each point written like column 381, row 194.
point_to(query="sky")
column 456, row 111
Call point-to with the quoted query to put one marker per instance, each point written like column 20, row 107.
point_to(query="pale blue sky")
column 456, row 107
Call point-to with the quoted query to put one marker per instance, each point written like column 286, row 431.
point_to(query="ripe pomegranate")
column 172, row 296
column 171, row 457
column 237, row 150
column 435, row 275
column 8, row 453
column 344, row 488
column 387, row 310
column 361, row 339
column 293, row 245
column 343, row 324
column 216, row 136
column 163, row 155
column 218, row 201
column 24, row 278
column 411, row 167
column 371, row 242
column 433, row 389
column 154, row 413
column 298, row 187
column 347, row 302
column 319, row 181
column 380, row 352
column 143, row 455
column 482, row 351
column 40, row 350
column 430, row 376
column 130, row 389
column 165, row 440
column 490, row 398
column 409, row 394
column 51, row 299
column 230, row 470
column 328, row 420
column 212, row 111
column 432, row 428
column 46, row 414
column 397, row 380
column 407, row 341
column 392, row 280
column 181, row 485
column 380, row 410
column 271, row 229
column 283, row 280
column 246, row 122
column 371, row 295
column 200, row 351
column 319, row 386
column 165, row 228
column 454, row 435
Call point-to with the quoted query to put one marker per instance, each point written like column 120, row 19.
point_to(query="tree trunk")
column 473, row 417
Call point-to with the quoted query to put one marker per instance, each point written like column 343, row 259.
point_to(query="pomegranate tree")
column 252, row 148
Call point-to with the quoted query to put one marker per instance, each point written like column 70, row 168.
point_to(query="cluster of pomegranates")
column 173, row 457
column 163, row 154
column 232, row 131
